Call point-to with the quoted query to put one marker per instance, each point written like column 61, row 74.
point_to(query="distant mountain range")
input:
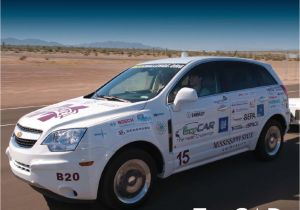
column 34, row 42
column 106, row 44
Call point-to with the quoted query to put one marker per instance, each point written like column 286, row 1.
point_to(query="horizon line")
column 129, row 42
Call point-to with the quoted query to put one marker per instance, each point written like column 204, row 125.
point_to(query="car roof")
column 186, row 60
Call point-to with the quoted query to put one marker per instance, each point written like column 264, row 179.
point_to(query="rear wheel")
column 270, row 141
column 128, row 179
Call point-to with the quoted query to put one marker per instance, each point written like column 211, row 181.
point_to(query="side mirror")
column 184, row 95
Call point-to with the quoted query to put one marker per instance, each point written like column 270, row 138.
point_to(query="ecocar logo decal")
column 194, row 130
column 58, row 112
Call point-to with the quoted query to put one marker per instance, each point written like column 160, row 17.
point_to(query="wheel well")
column 151, row 149
column 280, row 119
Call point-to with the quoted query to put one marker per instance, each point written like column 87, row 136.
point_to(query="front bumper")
column 55, row 172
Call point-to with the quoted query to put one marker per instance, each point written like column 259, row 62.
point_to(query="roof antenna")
column 184, row 54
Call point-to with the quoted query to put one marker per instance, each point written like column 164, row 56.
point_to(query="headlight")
column 64, row 140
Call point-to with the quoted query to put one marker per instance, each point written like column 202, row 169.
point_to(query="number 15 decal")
column 183, row 157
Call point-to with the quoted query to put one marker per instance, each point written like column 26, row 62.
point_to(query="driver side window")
column 202, row 78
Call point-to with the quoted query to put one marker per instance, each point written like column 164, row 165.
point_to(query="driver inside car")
column 196, row 82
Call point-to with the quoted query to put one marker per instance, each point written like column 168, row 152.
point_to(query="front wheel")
column 128, row 179
column 270, row 141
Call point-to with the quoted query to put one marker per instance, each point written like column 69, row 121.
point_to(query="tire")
column 270, row 142
column 130, row 169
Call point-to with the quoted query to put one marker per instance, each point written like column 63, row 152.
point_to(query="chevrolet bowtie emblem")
column 19, row 134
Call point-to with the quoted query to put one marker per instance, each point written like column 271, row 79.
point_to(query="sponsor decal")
column 194, row 114
column 158, row 114
column 161, row 128
column 223, row 124
column 274, row 101
column 274, row 89
column 224, row 98
column 249, row 116
column 240, row 109
column 246, row 94
column 251, row 124
column 233, row 142
column 280, row 93
column 121, row 132
column 122, row 123
column 177, row 66
column 102, row 103
column 261, row 98
column 273, row 97
column 143, row 118
column 252, row 103
column 113, row 124
column 237, row 118
column 132, row 130
column 108, row 104
column 260, row 110
column 194, row 130
column 127, row 121
column 101, row 133
column 237, row 127
column 239, row 103
column 58, row 112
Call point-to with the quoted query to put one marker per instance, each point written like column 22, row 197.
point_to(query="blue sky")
column 201, row 25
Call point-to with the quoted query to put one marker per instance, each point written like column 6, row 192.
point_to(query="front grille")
column 22, row 166
column 297, row 115
column 30, row 130
column 27, row 143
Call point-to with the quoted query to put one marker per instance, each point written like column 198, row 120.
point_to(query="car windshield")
column 139, row 83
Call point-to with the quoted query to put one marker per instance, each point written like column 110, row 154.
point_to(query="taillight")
column 284, row 89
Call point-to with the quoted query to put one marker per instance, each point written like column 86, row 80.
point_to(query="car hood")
column 78, row 110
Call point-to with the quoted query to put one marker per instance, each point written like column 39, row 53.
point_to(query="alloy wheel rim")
column 273, row 140
column 132, row 181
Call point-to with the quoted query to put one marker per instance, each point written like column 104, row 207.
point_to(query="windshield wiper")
column 113, row 98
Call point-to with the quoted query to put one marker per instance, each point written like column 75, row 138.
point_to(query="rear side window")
column 264, row 77
column 242, row 75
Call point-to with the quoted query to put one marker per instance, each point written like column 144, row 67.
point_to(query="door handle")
column 223, row 108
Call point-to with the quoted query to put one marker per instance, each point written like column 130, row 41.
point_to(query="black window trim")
column 217, row 75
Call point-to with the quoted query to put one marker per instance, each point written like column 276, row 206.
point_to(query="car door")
column 247, row 103
column 197, row 125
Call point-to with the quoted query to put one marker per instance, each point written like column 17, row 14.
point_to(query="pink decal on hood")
column 58, row 112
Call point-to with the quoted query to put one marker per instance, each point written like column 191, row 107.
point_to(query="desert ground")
column 40, row 79
column 32, row 80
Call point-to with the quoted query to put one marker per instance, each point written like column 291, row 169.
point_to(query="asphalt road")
column 232, row 183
